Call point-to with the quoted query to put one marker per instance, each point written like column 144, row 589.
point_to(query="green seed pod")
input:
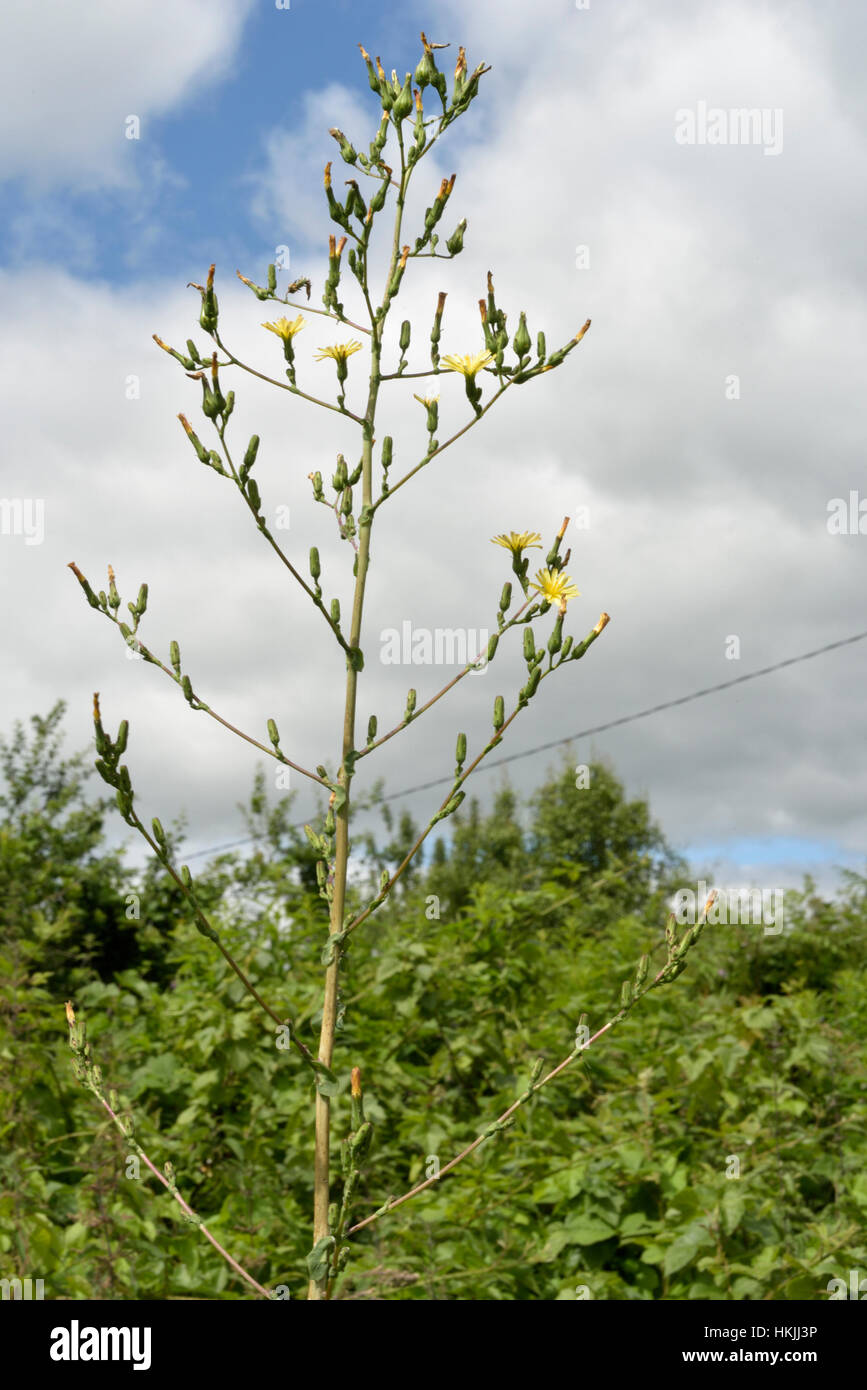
column 338, row 482
column 175, row 657
column 529, row 646
column 499, row 712
column 372, row 725
column 461, row 750
column 405, row 330
column 186, row 686
column 141, row 602
column 346, row 502
column 377, row 202
column 253, row 495
column 492, row 646
column 159, row 833
column 272, row 278
column 403, row 102
column 533, row 683
column 272, row 733
column 315, row 567
column 347, row 153
column 387, row 447
column 540, row 346
column 521, row 340
column 455, row 243
column 555, row 641
column 193, row 350
column 252, row 451
column 335, row 610
column 567, row 647
column 122, row 736
column 505, row 597
column 359, row 1143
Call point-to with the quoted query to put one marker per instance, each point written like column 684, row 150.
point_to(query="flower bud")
column 505, row 597
column 492, row 646
column 455, row 243
column 315, row 567
column 403, row 102
column 405, row 330
column 521, row 340
column 346, row 150
column 461, row 750
column 529, row 646
column 499, row 712
column 410, row 705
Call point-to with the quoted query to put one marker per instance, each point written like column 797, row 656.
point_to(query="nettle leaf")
column 327, row 1083
column 318, row 1258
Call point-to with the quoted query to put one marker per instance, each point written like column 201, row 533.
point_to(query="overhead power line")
column 585, row 733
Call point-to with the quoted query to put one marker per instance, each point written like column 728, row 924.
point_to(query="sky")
column 706, row 437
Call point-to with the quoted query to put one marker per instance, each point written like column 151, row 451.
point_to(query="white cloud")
column 707, row 514
column 72, row 74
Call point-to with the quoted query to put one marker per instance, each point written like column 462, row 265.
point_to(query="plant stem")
column 321, row 1184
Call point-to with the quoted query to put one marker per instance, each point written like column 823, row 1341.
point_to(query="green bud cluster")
column 108, row 764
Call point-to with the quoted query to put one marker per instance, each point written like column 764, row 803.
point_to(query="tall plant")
column 356, row 494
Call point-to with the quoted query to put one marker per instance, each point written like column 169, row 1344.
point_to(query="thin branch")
column 503, row 1120
column 471, row 666
column 442, row 447
column 284, row 385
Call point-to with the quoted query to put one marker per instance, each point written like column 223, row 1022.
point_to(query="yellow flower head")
column 468, row 365
column 555, row 587
column 426, row 400
column 518, row 541
column 339, row 352
column 284, row 329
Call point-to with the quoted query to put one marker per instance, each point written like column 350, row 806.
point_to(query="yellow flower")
column 425, row 400
column 339, row 352
column 284, row 329
column 70, row 1014
column 555, row 587
column 469, row 365
column 516, row 542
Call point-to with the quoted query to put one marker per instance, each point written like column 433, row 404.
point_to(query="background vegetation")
column 612, row 1184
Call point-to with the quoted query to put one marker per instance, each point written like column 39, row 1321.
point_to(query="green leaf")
column 318, row 1259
